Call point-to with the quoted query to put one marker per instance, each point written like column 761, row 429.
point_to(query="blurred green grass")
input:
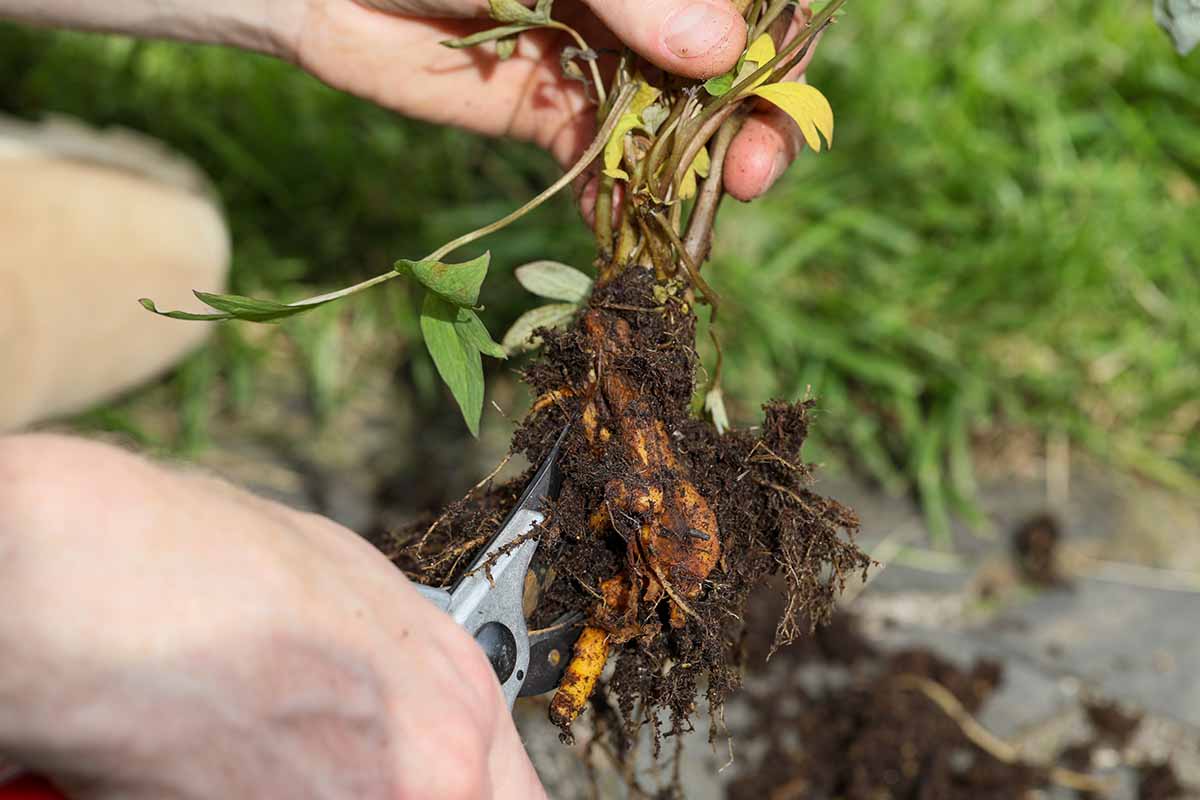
column 1005, row 236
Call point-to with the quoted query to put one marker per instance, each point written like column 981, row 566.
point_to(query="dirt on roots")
column 663, row 527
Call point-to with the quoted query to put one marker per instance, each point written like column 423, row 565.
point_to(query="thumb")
column 693, row 38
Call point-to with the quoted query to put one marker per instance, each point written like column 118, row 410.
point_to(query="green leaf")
column 521, row 336
column 543, row 8
column 473, row 332
column 554, row 281
column 492, row 34
column 458, row 362
column 721, row 84
column 148, row 304
column 456, row 283
column 512, row 11
column 235, row 306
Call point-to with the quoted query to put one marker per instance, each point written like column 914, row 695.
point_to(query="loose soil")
column 663, row 527
column 840, row 719
column 1035, row 546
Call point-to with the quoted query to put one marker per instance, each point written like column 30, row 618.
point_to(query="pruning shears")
column 488, row 601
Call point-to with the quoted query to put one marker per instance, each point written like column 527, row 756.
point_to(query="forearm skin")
column 261, row 25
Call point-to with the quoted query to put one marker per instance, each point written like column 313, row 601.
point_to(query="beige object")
column 90, row 222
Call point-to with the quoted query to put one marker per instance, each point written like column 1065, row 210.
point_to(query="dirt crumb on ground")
column 1159, row 782
column 1035, row 545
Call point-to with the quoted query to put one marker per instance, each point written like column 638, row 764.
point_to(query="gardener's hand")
column 167, row 636
column 389, row 51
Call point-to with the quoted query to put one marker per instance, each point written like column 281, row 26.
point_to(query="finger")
column 692, row 38
column 761, row 153
column 768, row 142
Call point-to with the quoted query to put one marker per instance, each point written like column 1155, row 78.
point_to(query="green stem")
column 620, row 103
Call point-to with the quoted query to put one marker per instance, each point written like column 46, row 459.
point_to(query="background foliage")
column 1004, row 237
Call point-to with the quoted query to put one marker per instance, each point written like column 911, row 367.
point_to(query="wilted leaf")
column 714, row 404
column 492, row 34
column 806, row 105
column 520, row 336
column 617, row 173
column 513, row 11
column 458, row 362
column 473, row 332
column 654, row 116
column 554, row 281
column 456, row 283
column 699, row 167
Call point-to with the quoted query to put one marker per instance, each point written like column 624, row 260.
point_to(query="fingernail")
column 696, row 29
column 778, row 167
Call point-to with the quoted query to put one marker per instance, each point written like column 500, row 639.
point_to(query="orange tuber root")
column 677, row 544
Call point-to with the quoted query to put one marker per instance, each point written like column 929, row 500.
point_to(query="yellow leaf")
column 806, row 105
column 619, row 174
column 700, row 166
column 646, row 94
column 614, row 148
column 760, row 52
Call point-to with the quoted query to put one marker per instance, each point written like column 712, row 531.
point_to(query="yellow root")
column 591, row 653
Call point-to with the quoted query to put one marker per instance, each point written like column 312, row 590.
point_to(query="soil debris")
column 1035, row 546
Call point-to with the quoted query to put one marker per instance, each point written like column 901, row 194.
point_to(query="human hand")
column 389, row 51
column 168, row 636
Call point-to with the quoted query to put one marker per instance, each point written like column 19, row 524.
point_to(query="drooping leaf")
column 457, row 283
column 714, row 404
column 236, row 306
column 521, row 336
column 806, row 105
column 492, row 34
column 473, row 332
column 458, row 362
column 654, row 116
column 554, row 281
column 699, row 167
column 506, row 47
column 543, row 8
column 512, row 11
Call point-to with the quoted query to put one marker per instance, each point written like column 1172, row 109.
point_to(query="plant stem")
column 603, row 216
column 698, row 238
column 620, row 103
column 698, row 281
